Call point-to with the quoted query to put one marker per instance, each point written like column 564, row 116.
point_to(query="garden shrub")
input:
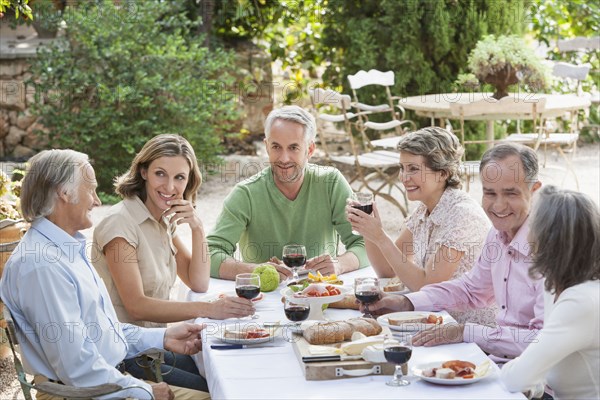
column 122, row 75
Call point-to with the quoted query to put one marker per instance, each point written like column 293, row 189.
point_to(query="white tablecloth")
column 275, row 373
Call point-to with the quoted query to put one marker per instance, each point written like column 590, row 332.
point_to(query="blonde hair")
column 131, row 182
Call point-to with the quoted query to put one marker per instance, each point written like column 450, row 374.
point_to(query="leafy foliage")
column 552, row 20
column 125, row 74
column 426, row 42
column 20, row 8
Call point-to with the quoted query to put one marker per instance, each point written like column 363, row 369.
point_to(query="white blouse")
column 566, row 354
column 457, row 222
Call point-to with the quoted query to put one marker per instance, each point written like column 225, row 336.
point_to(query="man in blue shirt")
column 68, row 327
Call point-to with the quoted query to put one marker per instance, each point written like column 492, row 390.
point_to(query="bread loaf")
column 339, row 331
column 348, row 302
column 327, row 332
column 362, row 326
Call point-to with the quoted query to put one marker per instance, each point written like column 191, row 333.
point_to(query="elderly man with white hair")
column 62, row 311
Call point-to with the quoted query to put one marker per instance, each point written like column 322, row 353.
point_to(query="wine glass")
column 367, row 292
column 362, row 201
column 294, row 256
column 398, row 352
column 248, row 287
column 295, row 312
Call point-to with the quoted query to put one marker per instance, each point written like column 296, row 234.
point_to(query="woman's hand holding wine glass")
column 248, row 287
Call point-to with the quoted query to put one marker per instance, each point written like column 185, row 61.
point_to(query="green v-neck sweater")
column 262, row 220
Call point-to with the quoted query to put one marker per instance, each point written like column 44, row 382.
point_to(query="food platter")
column 458, row 381
column 408, row 316
column 316, row 303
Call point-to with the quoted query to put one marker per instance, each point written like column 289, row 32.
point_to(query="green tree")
column 126, row 73
column 425, row 42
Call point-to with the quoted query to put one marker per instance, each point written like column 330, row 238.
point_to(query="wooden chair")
column 396, row 112
column 373, row 170
column 334, row 127
column 51, row 388
column 505, row 108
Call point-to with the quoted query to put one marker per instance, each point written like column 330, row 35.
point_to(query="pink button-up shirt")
column 501, row 274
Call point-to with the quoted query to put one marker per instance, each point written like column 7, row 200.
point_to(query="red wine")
column 397, row 354
column 366, row 208
column 297, row 313
column 248, row 291
column 367, row 296
column 294, row 260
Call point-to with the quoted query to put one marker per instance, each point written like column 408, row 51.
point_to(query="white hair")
column 51, row 172
column 294, row 114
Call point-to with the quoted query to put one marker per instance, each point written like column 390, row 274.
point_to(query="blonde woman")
column 442, row 238
column 138, row 254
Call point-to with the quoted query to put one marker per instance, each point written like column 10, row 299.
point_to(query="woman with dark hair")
column 442, row 238
column 565, row 235
column 138, row 254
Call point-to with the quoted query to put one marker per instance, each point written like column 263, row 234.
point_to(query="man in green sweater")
column 291, row 201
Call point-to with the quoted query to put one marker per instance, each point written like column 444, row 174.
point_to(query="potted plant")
column 503, row 61
column 12, row 227
column 47, row 18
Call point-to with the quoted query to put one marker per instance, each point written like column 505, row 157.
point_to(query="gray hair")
column 48, row 173
column 294, row 114
column 565, row 229
column 528, row 156
column 441, row 149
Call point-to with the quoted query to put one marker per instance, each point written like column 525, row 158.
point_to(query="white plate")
column 408, row 315
column 418, row 371
column 237, row 327
column 384, row 281
column 315, row 301
column 211, row 297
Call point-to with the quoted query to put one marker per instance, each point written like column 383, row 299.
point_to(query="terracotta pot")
column 501, row 80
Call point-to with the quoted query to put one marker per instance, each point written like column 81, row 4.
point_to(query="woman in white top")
column 442, row 238
column 565, row 234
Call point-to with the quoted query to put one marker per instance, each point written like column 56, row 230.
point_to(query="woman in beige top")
column 442, row 238
column 138, row 254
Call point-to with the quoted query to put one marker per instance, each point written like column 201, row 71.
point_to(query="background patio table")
column 275, row 373
column 437, row 106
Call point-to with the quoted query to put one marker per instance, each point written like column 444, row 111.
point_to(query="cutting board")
column 328, row 370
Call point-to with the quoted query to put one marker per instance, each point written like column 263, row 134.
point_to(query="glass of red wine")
column 248, row 287
column 295, row 312
column 362, row 201
column 398, row 352
column 367, row 292
column 294, row 257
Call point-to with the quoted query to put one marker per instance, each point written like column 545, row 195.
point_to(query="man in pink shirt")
column 509, row 178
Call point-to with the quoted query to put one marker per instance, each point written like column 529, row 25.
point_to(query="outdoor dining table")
column 437, row 106
column 276, row 373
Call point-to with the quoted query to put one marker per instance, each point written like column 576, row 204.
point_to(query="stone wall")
column 18, row 139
